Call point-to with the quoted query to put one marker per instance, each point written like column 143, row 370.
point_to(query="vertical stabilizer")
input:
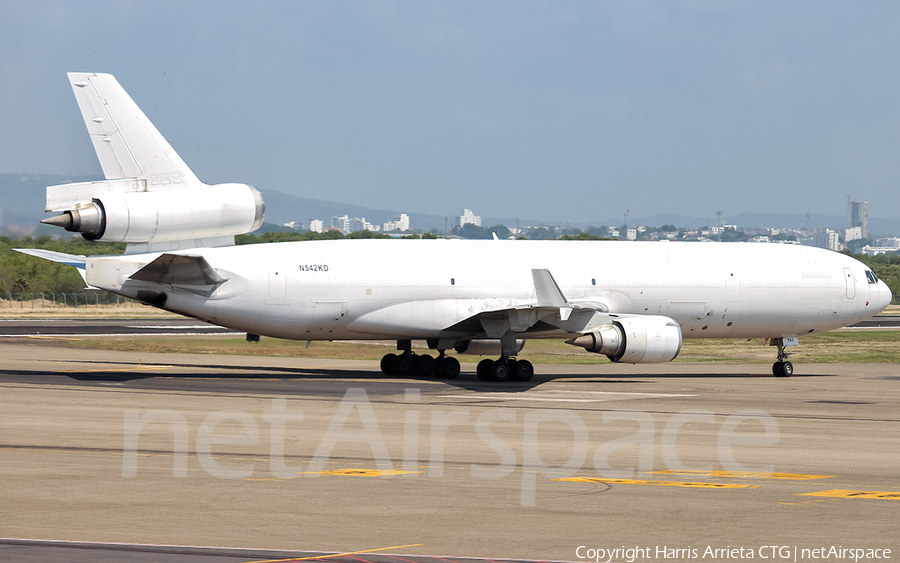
column 150, row 198
column 127, row 143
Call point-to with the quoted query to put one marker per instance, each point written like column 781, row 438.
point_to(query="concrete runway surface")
column 329, row 460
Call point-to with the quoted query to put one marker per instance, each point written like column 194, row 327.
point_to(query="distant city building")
column 858, row 216
column 853, row 233
column 627, row 234
column 827, row 238
column 341, row 223
column 890, row 242
column 360, row 224
column 469, row 218
column 876, row 250
column 311, row 225
column 398, row 223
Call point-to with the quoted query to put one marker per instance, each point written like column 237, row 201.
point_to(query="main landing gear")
column 408, row 363
column 504, row 369
column 782, row 368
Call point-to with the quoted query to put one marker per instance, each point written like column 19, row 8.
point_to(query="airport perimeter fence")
column 51, row 300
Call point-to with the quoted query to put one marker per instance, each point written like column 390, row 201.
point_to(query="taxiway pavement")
column 330, row 456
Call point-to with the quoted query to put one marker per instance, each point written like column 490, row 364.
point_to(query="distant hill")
column 22, row 200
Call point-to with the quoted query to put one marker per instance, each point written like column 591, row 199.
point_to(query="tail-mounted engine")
column 634, row 340
column 124, row 211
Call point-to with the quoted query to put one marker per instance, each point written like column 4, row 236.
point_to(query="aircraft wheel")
column 448, row 368
column 523, row 370
column 501, row 371
column 783, row 369
column 483, row 371
column 388, row 364
column 404, row 365
column 425, row 364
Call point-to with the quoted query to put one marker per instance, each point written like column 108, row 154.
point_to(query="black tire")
column 452, row 368
column 425, row 364
column 388, row 364
column 783, row 369
column 448, row 368
column 523, row 370
column 404, row 365
column 483, row 371
column 501, row 371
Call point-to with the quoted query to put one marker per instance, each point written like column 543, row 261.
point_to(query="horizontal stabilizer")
column 179, row 269
column 77, row 260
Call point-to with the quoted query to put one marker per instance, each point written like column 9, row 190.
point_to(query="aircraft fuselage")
column 418, row 289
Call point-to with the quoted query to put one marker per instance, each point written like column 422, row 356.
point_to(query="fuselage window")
column 870, row 275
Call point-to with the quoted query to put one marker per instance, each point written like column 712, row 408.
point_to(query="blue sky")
column 564, row 111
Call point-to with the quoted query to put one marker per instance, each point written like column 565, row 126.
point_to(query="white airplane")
column 630, row 301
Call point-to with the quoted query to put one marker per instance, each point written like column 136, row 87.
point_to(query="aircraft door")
column 849, row 283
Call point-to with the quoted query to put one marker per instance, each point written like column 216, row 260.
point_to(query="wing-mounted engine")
column 634, row 339
column 150, row 198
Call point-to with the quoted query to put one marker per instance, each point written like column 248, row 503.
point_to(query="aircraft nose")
column 884, row 294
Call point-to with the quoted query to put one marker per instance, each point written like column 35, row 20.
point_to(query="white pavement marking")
column 560, row 396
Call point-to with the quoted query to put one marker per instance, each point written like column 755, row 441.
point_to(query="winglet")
column 547, row 292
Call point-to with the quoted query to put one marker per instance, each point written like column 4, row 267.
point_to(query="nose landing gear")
column 782, row 368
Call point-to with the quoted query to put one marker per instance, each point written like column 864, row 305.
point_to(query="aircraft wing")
column 549, row 311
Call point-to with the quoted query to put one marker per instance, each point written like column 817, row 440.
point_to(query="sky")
column 562, row 111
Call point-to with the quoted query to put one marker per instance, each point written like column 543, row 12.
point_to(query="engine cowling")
column 163, row 215
column 634, row 340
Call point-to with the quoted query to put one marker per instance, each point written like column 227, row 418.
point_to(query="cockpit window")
column 870, row 275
